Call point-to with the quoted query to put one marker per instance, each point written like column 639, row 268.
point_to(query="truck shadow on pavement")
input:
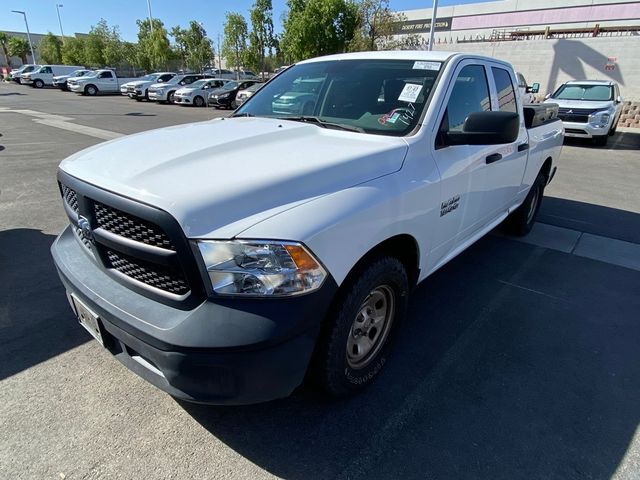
column 515, row 362
column 36, row 322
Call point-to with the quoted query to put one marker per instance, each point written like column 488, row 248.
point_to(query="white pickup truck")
column 99, row 82
column 223, row 260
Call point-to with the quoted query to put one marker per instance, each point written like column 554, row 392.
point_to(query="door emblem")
column 449, row 205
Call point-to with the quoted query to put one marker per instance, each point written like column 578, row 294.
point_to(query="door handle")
column 523, row 146
column 493, row 158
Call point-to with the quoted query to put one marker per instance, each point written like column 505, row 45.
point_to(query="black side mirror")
column 535, row 88
column 486, row 128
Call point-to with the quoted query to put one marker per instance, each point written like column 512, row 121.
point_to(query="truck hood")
column 220, row 177
column 582, row 104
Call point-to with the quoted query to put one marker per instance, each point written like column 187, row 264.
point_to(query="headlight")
column 223, row 96
column 600, row 119
column 260, row 267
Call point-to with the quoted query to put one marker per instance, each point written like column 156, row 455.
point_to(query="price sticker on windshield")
column 419, row 65
column 410, row 93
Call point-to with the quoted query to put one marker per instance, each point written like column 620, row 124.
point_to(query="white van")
column 44, row 75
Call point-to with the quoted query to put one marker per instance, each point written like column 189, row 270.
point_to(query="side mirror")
column 535, row 88
column 486, row 128
column 206, row 87
column 618, row 99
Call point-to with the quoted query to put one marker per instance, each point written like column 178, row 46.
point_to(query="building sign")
column 422, row 26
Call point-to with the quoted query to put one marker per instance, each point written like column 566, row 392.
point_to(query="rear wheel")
column 357, row 337
column 521, row 221
column 170, row 97
column 198, row 101
column 91, row 90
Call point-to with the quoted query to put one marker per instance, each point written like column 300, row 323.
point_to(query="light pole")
column 58, row 5
column 432, row 30
column 150, row 16
column 33, row 55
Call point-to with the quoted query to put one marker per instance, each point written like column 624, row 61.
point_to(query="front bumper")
column 223, row 351
column 77, row 88
column 182, row 100
column 26, row 81
column 156, row 96
column 584, row 130
column 215, row 102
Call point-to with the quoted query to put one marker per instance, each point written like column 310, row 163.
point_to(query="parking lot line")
column 64, row 123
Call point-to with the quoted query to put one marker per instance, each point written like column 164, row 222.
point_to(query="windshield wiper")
column 318, row 121
column 243, row 114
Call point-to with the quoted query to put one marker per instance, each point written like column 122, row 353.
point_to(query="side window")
column 164, row 78
column 105, row 75
column 470, row 94
column 188, row 80
column 504, row 87
column 46, row 70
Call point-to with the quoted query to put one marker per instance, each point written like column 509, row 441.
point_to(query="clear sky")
column 79, row 15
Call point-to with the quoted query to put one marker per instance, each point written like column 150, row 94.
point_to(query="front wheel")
column 357, row 337
column 521, row 221
column 198, row 102
column 38, row 84
column 91, row 90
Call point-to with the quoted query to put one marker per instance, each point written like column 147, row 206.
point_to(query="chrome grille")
column 578, row 115
column 164, row 278
column 131, row 227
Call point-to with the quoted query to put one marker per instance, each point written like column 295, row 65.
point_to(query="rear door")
column 504, row 175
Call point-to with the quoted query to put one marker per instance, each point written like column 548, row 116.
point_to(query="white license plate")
column 87, row 319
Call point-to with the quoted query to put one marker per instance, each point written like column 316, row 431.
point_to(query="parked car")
column 527, row 93
column 196, row 93
column 588, row 108
column 16, row 74
column 139, row 90
column 42, row 76
column 243, row 95
column 164, row 92
column 225, row 96
column 60, row 81
column 220, row 259
column 280, row 69
column 98, row 82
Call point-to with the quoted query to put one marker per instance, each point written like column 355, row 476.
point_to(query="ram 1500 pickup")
column 100, row 81
column 224, row 260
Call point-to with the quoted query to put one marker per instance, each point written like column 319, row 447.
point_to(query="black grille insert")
column 131, row 227
column 70, row 197
column 164, row 278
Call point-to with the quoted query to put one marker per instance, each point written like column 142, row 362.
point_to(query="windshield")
column 253, row 88
column 28, row 69
column 594, row 93
column 149, row 76
column 229, row 86
column 198, row 83
column 384, row 97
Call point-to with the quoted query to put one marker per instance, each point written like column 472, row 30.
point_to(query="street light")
column 150, row 16
column 58, row 6
column 33, row 55
column 432, row 30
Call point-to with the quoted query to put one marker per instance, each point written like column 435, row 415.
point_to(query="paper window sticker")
column 410, row 92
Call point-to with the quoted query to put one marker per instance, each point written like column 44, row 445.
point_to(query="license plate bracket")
column 88, row 319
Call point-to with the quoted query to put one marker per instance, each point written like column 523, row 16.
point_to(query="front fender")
column 342, row 227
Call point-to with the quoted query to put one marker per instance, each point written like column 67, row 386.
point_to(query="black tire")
column 38, row 83
column 521, row 221
column 614, row 127
column 601, row 140
column 91, row 90
column 336, row 369
column 170, row 97
column 198, row 101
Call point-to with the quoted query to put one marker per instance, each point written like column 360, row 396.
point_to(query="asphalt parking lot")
column 520, row 359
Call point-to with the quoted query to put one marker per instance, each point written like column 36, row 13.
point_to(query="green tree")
column 376, row 28
column 19, row 47
column 103, row 45
column 4, row 44
column 261, row 38
column 234, row 46
column 73, row 51
column 318, row 27
column 50, row 49
column 193, row 46
column 154, row 50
